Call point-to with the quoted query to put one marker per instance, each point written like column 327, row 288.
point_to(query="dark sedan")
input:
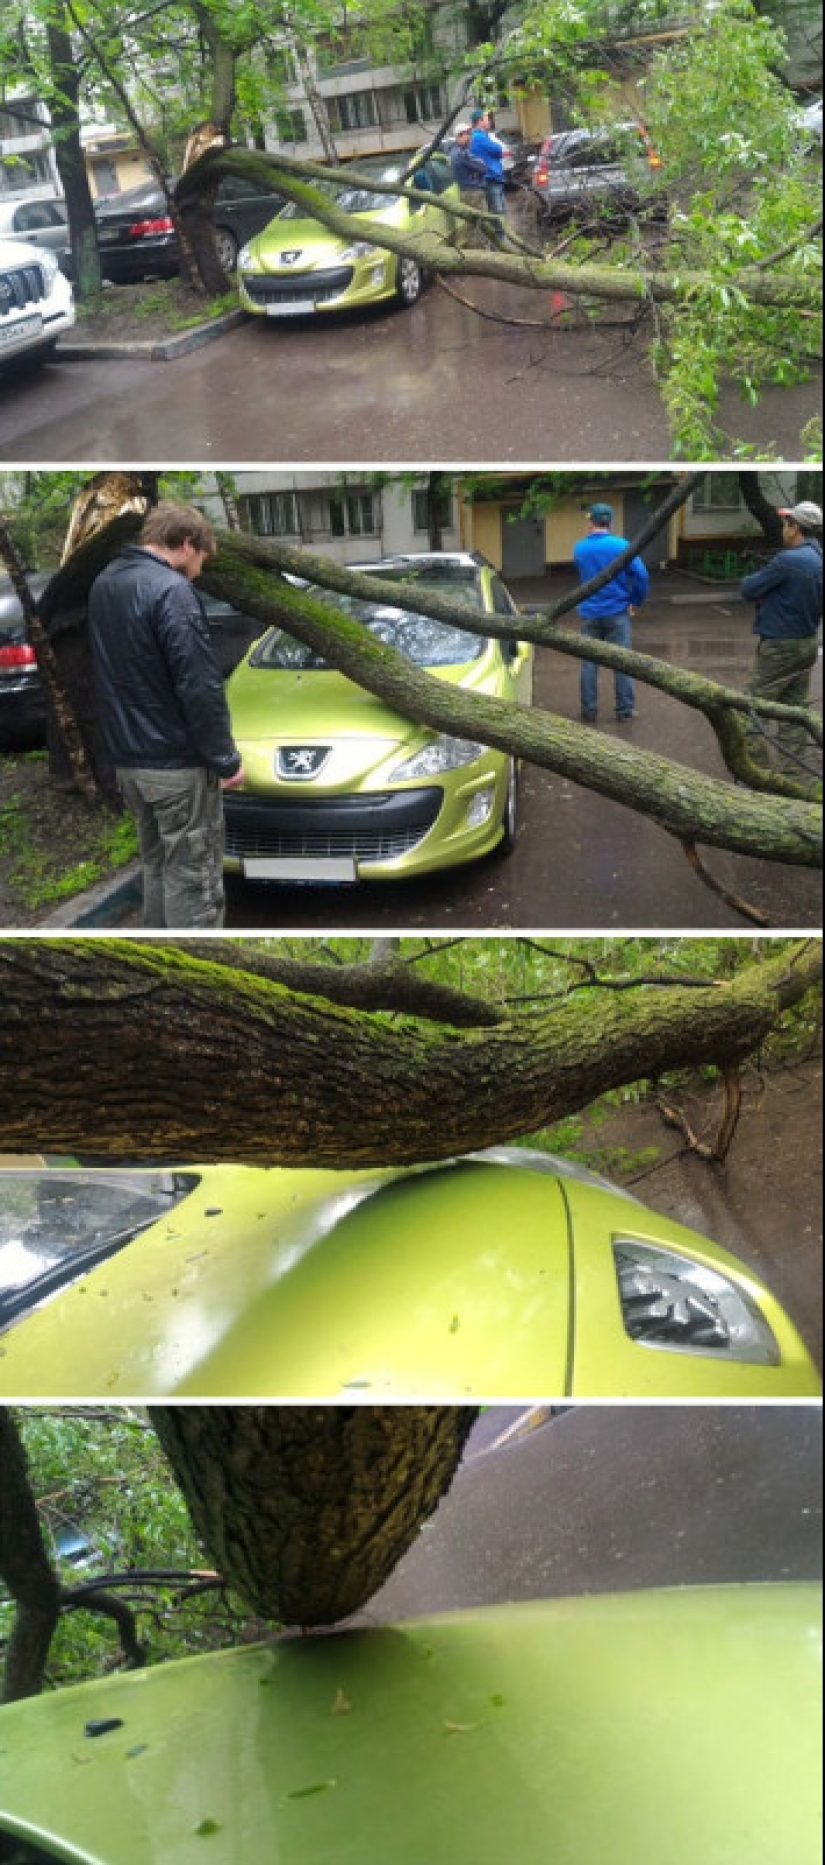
column 136, row 237
column 22, row 700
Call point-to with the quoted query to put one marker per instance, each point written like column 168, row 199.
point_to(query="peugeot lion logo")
column 291, row 256
column 300, row 761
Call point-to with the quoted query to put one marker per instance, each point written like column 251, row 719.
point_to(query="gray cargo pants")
column 783, row 672
column 179, row 817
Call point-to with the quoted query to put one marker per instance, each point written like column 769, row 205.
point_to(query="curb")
column 103, row 905
column 72, row 351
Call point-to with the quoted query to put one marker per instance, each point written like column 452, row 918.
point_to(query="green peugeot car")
column 338, row 786
column 510, row 1271
column 297, row 266
column 674, row 1724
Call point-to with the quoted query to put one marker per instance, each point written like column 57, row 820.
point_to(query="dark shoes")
column 588, row 718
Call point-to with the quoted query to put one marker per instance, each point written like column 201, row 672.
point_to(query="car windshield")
column 53, row 1224
column 423, row 641
column 354, row 199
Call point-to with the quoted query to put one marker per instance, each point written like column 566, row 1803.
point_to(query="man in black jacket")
column 163, row 713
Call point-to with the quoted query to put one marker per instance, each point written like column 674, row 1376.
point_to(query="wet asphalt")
column 611, row 1498
column 438, row 383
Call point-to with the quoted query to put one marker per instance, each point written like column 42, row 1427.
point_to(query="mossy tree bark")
column 306, row 1510
column 98, row 1037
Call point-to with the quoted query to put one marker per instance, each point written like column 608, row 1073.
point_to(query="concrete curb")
column 103, row 905
column 73, row 350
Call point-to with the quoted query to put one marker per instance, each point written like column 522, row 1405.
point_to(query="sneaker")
column 622, row 718
column 588, row 718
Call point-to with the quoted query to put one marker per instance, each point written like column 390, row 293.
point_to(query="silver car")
column 38, row 221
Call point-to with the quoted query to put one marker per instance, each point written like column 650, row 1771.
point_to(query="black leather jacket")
column 161, row 698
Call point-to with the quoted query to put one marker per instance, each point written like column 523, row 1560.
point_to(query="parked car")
column 36, row 302
column 22, row 706
column 136, row 236
column 297, row 266
column 22, row 700
column 566, row 1729
column 37, row 220
column 509, row 1271
column 584, row 172
column 338, row 785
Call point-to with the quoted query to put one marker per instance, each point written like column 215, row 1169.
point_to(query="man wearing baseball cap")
column 607, row 616
column 788, row 597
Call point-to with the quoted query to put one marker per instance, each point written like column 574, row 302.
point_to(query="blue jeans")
column 615, row 628
column 494, row 194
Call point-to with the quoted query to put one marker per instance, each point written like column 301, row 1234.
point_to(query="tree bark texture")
column 125, row 1047
column 305, row 1511
column 25, row 1570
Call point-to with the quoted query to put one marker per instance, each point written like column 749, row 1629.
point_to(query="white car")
column 36, row 303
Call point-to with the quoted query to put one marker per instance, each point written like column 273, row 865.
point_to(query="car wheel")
column 409, row 282
column 227, row 248
column 509, row 820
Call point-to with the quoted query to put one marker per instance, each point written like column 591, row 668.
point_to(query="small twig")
column 734, row 901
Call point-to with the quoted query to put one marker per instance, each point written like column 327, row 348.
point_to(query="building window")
column 353, row 514
column 272, row 514
column 424, row 101
column 291, row 125
column 421, row 509
column 719, row 492
column 356, row 111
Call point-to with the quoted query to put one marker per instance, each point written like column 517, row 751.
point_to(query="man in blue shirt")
column 489, row 149
column 788, row 597
column 607, row 616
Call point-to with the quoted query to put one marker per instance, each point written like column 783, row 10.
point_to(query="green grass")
column 41, row 876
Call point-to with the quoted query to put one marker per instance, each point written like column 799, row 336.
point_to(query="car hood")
column 16, row 253
column 303, row 233
column 270, row 702
column 679, row 1719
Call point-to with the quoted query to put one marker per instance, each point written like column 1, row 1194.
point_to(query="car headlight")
column 443, row 754
column 49, row 264
column 361, row 249
column 248, row 260
column 671, row 1301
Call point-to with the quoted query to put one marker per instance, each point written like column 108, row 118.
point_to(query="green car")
column 679, row 1725
column 340, row 787
column 297, row 266
column 507, row 1272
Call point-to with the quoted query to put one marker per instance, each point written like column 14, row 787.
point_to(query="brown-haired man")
column 163, row 713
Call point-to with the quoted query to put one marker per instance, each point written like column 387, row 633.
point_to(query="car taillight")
column 22, row 654
column 141, row 228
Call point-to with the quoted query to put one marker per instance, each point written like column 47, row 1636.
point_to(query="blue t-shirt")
column 788, row 593
column 591, row 555
column 490, row 151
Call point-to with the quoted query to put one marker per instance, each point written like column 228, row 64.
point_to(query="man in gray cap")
column 788, row 597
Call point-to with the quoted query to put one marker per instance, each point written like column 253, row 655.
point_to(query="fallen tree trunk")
column 97, row 1037
column 306, row 1510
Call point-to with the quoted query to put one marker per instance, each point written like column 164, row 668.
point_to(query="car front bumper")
column 282, row 294
column 377, row 835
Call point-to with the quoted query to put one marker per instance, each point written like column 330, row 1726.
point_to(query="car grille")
column 375, row 828
column 25, row 285
column 318, row 286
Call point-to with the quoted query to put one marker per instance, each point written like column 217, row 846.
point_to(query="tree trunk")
column 64, row 106
column 25, row 1570
column 305, row 1511
column 760, row 508
column 97, row 1037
